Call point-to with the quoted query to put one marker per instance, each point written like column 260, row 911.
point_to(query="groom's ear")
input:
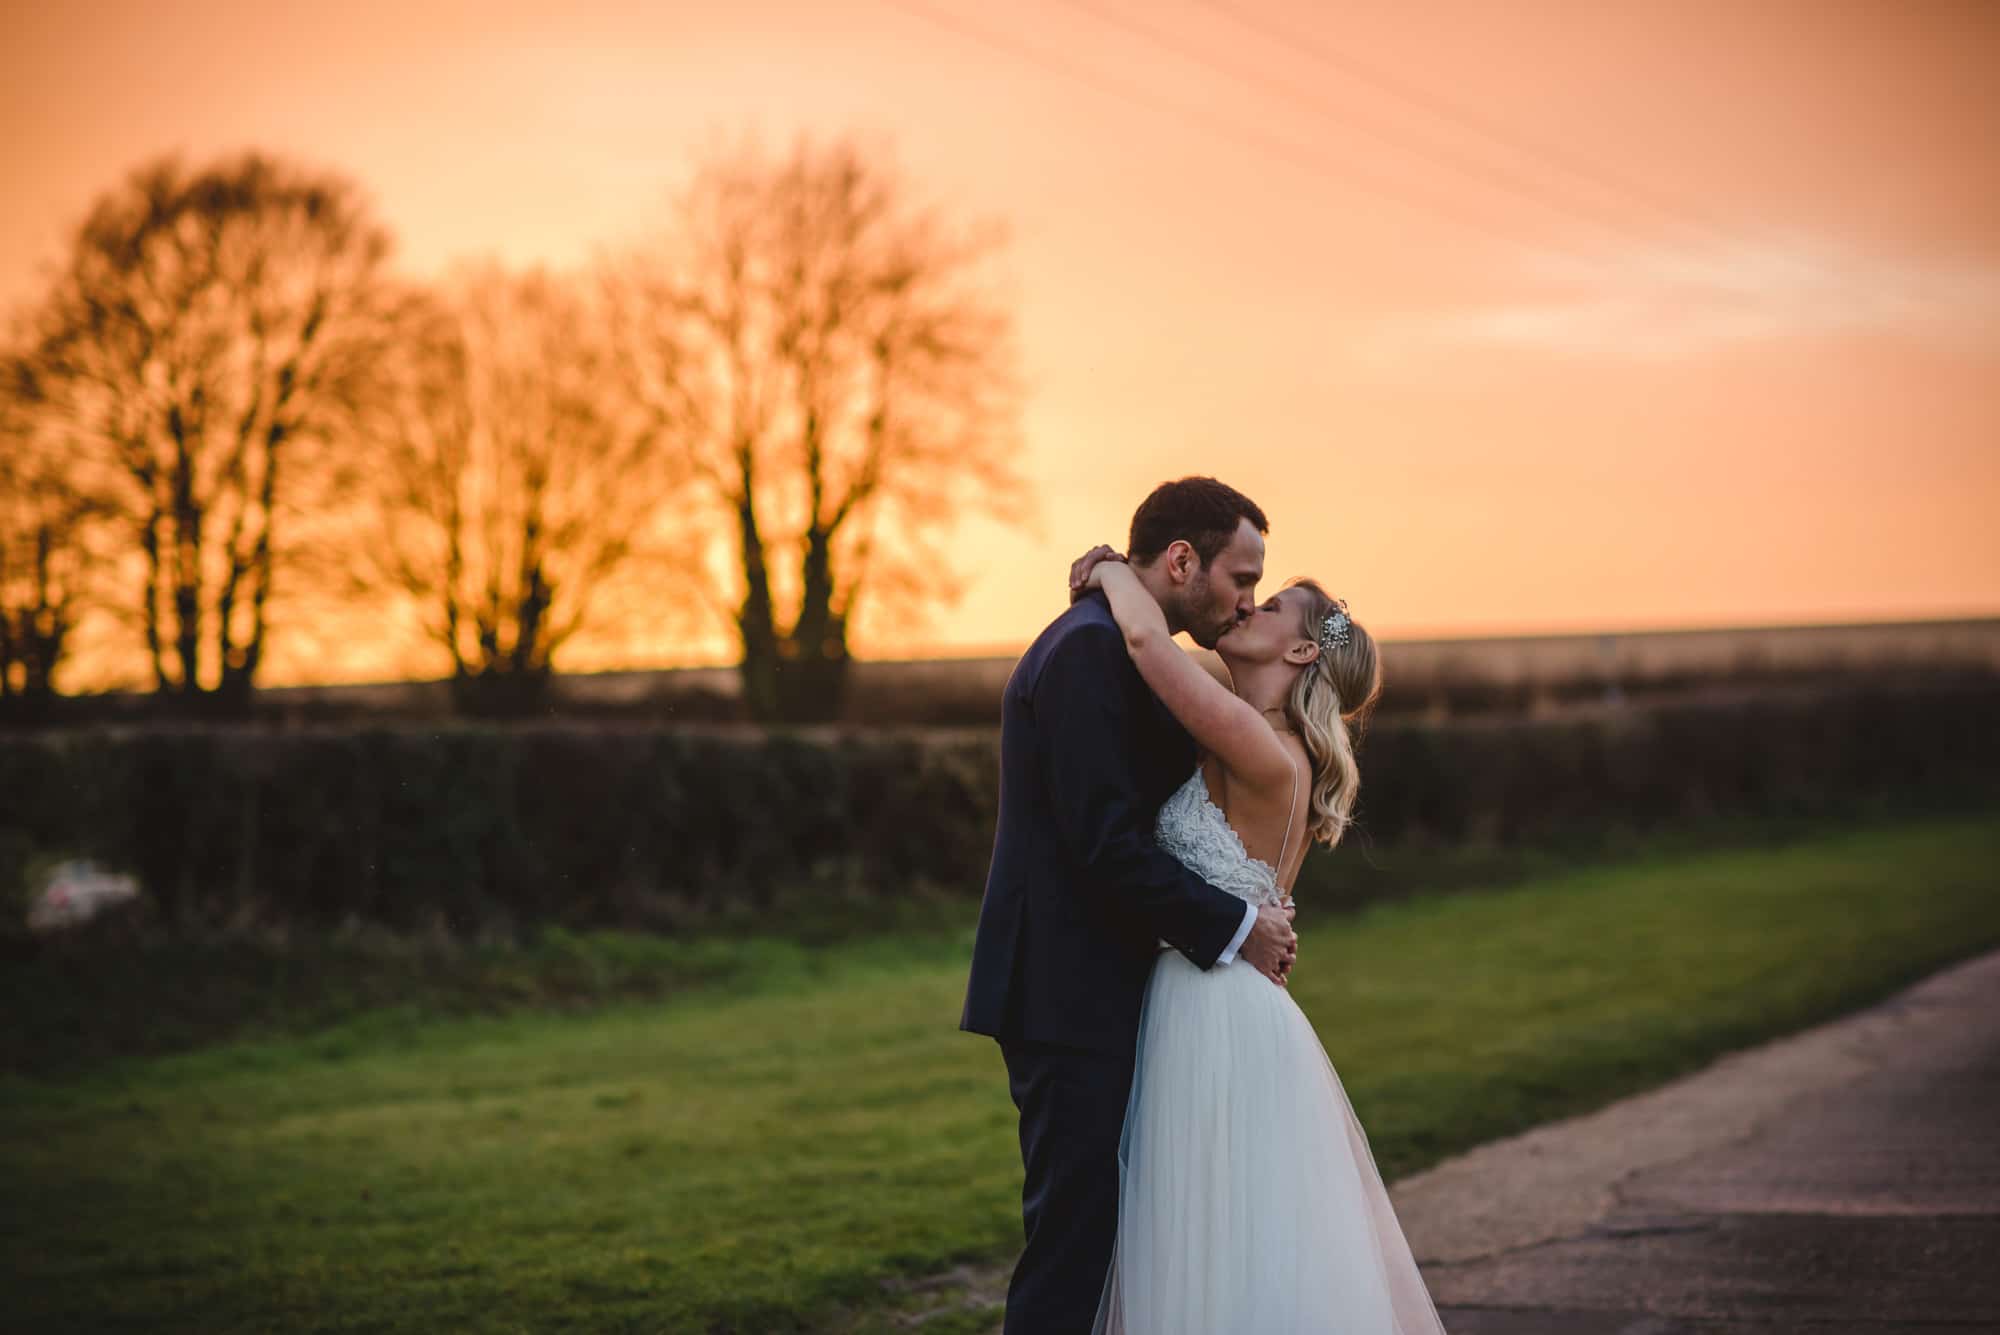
column 1181, row 560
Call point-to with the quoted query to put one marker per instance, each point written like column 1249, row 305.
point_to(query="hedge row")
column 484, row 826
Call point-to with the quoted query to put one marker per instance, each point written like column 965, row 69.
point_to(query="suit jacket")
column 1078, row 895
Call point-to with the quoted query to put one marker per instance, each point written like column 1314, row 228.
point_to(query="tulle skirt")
column 1250, row 1201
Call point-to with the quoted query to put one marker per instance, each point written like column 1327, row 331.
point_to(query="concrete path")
column 1843, row 1181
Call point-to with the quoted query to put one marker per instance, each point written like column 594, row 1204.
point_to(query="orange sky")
column 1752, row 380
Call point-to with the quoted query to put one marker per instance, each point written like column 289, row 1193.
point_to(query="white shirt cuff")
column 1242, row 934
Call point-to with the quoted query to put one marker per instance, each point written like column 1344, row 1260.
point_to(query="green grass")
column 764, row 1155
column 123, row 987
column 120, row 994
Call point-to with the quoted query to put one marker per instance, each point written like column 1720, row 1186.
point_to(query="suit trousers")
column 1072, row 1105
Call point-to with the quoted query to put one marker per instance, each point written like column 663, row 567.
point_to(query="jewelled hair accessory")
column 1333, row 632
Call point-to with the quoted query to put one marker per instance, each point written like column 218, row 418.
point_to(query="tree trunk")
column 501, row 692
column 813, row 666
column 755, row 621
column 44, row 626
column 7, row 655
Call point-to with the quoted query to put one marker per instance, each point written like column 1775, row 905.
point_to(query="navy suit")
column 1077, row 898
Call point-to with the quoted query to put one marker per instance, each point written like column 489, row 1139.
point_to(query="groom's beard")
column 1192, row 612
column 1204, row 625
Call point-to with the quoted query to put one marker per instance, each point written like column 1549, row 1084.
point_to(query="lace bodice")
column 1192, row 828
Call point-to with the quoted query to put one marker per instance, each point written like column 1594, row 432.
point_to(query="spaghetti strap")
column 1290, row 810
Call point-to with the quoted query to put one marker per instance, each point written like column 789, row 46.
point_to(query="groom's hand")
column 1272, row 946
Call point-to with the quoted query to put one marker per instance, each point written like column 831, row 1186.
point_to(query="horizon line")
column 1000, row 650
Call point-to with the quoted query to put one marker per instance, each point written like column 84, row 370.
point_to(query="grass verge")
column 781, row 1153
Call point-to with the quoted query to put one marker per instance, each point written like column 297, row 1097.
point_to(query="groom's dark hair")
column 1203, row 512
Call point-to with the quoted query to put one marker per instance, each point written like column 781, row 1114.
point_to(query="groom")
column 1078, row 895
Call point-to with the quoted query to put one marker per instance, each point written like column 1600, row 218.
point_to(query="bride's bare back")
column 1270, row 831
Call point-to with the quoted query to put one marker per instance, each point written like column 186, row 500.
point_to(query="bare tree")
column 210, row 337
column 48, row 519
column 517, row 503
column 830, row 361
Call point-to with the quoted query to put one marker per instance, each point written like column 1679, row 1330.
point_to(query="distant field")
column 1435, row 676
column 762, row 1155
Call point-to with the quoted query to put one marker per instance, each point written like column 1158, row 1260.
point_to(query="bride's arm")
column 1221, row 721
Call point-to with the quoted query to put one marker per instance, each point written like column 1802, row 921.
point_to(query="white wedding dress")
column 1249, row 1199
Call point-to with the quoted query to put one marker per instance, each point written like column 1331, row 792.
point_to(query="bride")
column 1249, row 1199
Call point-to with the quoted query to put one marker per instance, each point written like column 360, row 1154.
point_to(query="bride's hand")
column 1079, row 570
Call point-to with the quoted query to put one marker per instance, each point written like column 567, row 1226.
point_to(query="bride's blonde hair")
column 1337, row 689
